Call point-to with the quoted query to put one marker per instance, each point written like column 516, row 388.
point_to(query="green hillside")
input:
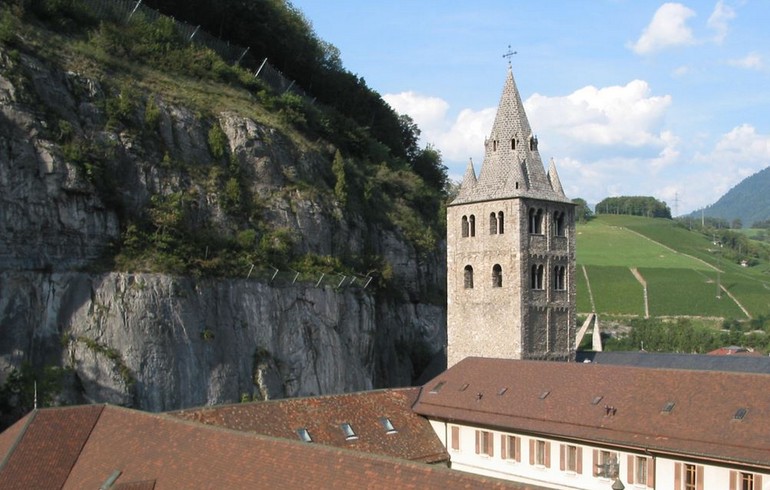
column 679, row 267
column 748, row 201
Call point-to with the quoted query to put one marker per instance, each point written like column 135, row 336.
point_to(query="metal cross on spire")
column 509, row 55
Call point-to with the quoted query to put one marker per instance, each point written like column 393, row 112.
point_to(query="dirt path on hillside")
column 638, row 276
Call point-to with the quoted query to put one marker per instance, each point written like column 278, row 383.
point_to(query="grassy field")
column 679, row 267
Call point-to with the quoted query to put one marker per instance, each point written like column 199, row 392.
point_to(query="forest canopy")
column 634, row 206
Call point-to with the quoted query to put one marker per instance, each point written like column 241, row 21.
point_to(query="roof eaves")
column 18, row 439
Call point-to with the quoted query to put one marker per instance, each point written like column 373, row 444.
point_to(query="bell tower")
column 511, row 250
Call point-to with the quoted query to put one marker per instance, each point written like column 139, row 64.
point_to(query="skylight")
column 304, row 435
column 667, row 408
column 438, row 387
column 502, row 391
column 348, row 431
column 387, row 425
column 740, row 413
column 596, row 400
column 544, row 394
column 464, row 387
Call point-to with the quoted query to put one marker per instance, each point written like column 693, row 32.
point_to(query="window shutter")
column 733, row 480
column 650, row 473
column 490, row 444
column 699, row 477
column 630, row 468
column 579, row 461
column 455, row 438
column 518, row 449
column 677, row 476
column 596, row 462
column 758, row 481
column 532, row 452
column 503, row 446
column 478, row 433
column 562, row 457
column 548, row 455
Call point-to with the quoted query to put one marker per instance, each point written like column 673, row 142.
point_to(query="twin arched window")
column 558, row 223
column 560, row 278
column 468, row 225
column 535, row 221
column 496, row 223
column 536, row 277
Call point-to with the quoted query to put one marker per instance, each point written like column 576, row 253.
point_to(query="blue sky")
column 629, row 97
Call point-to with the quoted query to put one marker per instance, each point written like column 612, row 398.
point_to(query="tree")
column 582, row 212
column 341, row 185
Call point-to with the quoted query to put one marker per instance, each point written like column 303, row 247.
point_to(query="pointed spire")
column 512, row 166
column 553, row 178
column 470, row 174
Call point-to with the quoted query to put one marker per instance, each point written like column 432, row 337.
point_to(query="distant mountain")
column 748, row 201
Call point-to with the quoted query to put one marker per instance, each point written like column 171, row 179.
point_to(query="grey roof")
column 665, row 360
column 512, row 166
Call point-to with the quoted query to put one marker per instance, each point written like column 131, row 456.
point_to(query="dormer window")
column 533, row 143
column 350, row 434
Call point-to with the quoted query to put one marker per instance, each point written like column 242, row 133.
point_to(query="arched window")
column 535, row 221
column 492, row 224
column 559, row 278
column 494, row 145
column 536, row 277
column 500, row 223
column 472, row 221
column 465, row 226
column 468, row 280
column 497, row 276
column 558, row 223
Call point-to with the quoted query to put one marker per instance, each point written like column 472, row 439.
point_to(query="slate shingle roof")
column 321, row 416
column 668, row 360
column 701, row 423
column 511, row 169
column 81, row 447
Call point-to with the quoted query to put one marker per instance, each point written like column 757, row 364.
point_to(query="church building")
column 511, row 250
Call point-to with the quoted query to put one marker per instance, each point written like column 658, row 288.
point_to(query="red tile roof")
column 322, row 416
column 156, row 451
column 39, row 460
column 556, row 399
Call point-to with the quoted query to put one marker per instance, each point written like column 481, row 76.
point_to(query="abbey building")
column 511, row 250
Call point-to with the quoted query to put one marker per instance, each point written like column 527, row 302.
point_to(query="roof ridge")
column 30, row 417
column 85, row 439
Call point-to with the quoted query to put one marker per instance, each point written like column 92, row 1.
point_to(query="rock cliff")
column 74, row 169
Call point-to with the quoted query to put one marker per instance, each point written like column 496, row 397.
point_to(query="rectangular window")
column 510, row 447
column 605, row 464
column 747, row 481
column 455, row 438
column 569, row 456
column 540, row 453
column 484, row 443
column 690, row 477
column 640, row 470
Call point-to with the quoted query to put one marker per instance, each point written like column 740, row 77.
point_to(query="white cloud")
column 457, row 140
column 618, row 115
column 752, row 61
column 668, row 28
column 424, row 110
column 736, row 155
column 719, row 20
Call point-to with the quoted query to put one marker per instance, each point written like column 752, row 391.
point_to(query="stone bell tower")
column 511, row 250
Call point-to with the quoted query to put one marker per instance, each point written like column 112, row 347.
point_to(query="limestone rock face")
column 162, row 342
